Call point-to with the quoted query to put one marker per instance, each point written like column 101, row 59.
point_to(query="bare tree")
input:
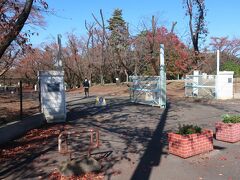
column 13, row 16
column 103, row 44
column 152, row 45
column 73, row 58
column 226, row 45
column 12, row 30
column 195, row 10
column 90, row 54
column 7, row 60
column 173, row 26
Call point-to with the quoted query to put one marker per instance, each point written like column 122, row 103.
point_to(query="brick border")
column 228, row 132
column 190, row 145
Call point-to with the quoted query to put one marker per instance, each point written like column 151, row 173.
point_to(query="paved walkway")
column 135, row 138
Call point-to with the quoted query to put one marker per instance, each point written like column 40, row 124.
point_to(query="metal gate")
column 150, row 90
column 203, row 86
column 145, row 90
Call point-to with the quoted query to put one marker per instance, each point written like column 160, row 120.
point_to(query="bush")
column 231, row 66
column 188, row 129
column 231, row 118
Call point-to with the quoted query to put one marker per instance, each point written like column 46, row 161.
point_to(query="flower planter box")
column 228, row 132
column 190, row 145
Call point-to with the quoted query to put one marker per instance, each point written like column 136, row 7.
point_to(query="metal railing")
column 65, row 141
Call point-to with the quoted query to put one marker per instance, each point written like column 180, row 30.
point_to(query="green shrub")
column 231, row 118
column 231, row 65
column 188, row 129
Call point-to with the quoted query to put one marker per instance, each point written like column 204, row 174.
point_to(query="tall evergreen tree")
column 119, row 40
column 119, row 30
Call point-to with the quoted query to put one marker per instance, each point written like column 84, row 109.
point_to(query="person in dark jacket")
column 86, row 87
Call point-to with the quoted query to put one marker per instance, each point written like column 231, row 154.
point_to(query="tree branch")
column 17, row 27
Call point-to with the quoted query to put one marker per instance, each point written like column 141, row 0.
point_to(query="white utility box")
column 224, row 85
column 52, row 93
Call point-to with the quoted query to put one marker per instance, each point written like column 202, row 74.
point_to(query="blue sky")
column 223, row 16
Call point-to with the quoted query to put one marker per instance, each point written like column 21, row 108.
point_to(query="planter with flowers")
column 190, row 140
column 229, row 129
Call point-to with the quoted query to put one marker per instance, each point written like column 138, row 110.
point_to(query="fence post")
column 39, row 93
column 21, row 100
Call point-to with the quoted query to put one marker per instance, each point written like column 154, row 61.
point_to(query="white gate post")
column 162, row 78
column 195, row 83
column 218, row 61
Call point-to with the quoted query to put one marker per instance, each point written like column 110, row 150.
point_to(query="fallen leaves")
column 31, row 142
column 222, row 158
column 55, row 175
column 14, row 151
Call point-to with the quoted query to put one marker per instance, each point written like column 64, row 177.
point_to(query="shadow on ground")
column 18, row 157
column 133, row 137
column 130, row 131
column 125, row 130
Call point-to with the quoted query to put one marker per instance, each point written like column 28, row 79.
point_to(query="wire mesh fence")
column 236, row 87
column 18, row 100
column 202, row 86
column 145, row 90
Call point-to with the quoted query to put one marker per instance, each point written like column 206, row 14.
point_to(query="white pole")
column 162, row 78
column 35, row 87
column 59, row 60
column 217, row 89
column 218, row 61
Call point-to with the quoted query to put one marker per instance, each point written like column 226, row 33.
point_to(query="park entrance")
column 150, row 90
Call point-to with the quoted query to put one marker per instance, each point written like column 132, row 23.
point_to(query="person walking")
column 86, row 87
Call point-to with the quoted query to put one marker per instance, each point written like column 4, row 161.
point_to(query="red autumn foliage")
column 176, row 53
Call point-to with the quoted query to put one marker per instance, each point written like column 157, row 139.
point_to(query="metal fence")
column 18, row 99
column 236, row 87
column 202, row 86
column 145, row 90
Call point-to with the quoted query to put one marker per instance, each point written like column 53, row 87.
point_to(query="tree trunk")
column 173, row 26
column 102, row 79
column 17, row 27
column 125, row 71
